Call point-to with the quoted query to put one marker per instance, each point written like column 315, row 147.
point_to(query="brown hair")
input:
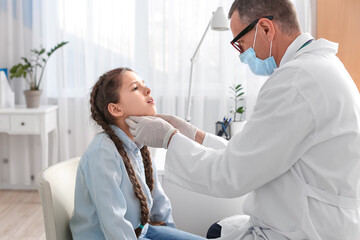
column 283, row 11
column 105, row 91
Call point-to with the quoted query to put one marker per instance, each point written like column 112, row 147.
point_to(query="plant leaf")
column 238, row 86
column 19, row 70
column 41, row 51
column 29, row 65
column 56, row 47
column 26, row 60
column 240, row 110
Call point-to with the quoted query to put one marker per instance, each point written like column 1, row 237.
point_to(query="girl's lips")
column 151, row 100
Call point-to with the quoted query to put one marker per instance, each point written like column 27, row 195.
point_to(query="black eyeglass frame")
column 246, row 30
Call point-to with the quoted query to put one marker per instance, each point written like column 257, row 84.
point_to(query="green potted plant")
column 32, row 70
column 238, row 110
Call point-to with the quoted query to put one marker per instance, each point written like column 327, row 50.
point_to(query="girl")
column 117, row 193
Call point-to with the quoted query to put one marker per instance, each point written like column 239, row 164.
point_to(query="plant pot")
column 236, row 127
column 32, row 98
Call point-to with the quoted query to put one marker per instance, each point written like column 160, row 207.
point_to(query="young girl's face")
column 135, row 98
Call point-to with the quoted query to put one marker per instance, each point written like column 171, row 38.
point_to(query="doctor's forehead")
column 236, row 25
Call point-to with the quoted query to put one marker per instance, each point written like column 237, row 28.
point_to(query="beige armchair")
column 56, row 186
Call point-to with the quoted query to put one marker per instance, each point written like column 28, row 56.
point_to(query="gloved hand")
column 150, row 131
column 184, row 127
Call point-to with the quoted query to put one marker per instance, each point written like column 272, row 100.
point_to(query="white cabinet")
column 25, row 124
column 31, row 121
column 4, row 123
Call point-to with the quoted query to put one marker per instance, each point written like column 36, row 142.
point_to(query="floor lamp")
column 218, row 22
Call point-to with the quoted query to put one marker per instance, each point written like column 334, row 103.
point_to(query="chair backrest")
column 56, row 186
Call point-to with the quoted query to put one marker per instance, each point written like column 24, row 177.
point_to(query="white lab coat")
column 298, row 155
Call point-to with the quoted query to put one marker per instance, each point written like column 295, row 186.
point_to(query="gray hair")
column 283, row 11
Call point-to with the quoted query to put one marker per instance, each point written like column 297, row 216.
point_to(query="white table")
column 33, row 121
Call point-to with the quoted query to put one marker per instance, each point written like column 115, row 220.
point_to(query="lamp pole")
column 193, row 59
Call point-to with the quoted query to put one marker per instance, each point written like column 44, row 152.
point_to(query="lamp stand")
column 193, row 60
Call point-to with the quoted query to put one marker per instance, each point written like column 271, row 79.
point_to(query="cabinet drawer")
column 25, row 123
column 4, row 123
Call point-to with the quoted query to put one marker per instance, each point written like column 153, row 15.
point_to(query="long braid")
column 133, row 179
column 149, row 176
column 148, row 167
column 104, row 119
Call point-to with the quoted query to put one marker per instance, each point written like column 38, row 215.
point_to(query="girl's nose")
column 147, row 91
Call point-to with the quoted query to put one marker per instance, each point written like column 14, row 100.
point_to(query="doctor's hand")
column 150, row 131
column 184, row 127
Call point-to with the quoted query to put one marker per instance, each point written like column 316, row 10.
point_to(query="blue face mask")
column 258, row 67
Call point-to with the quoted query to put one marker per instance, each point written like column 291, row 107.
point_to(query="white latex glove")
column 150, row 131
column 184, row 127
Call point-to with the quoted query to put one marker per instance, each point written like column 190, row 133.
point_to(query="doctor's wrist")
column 176, row 131
column 199, row 136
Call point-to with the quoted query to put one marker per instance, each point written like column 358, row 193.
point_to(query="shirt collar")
column 128, row 143
column 294, row 47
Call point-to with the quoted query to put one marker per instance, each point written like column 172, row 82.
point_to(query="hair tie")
column 141, row 226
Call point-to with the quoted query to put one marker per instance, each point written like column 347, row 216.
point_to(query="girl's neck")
column 123, row 126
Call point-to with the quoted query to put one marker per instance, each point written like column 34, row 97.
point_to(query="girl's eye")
column 136, row 88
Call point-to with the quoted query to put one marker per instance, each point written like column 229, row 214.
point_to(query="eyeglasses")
column 245, row 31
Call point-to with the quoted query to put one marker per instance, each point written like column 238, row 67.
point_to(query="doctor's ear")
column 268, row 28
column 115, row 110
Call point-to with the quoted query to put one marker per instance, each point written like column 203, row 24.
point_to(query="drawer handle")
column 22, row 124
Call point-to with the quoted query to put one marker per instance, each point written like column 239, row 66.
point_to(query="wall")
column 339, row 21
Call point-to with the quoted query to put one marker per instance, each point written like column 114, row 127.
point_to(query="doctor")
column 298, row 155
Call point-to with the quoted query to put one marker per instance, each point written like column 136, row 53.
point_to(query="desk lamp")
column 218, row 22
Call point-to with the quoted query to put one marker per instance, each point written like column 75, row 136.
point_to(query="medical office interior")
column 155, row 38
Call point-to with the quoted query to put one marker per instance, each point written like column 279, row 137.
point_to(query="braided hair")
column 105, row 91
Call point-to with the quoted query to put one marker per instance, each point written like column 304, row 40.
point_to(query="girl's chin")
column 149, row 114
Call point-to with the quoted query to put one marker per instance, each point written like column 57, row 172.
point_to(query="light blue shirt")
column 105, row 203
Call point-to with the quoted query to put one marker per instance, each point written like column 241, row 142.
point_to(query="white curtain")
column 20, row 31
column 155, row 38
column 101, row 36
column 306, row 10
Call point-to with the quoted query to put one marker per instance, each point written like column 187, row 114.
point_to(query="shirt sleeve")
column 270, row 143
column 161, row 210
column 103, row 178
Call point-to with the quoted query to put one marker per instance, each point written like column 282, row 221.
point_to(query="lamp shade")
column 219, row 21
